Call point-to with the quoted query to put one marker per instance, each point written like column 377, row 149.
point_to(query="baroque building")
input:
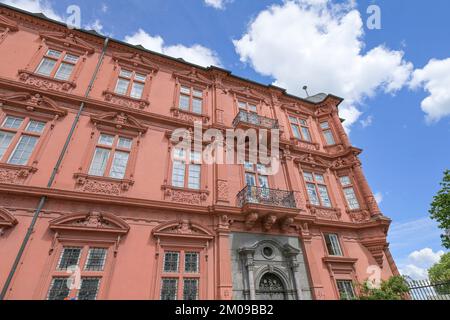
column 89, row 189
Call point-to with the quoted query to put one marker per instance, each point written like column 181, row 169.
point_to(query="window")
column 18, row 139
column 300, row 128
column 346, row 291
column 191, row 99
column 62, row 286
column 186, row 174
column 327, row 133
column 349, row 193
column 317, row 189
column 57, row 64
column 247, row 106
column 96, row 259
column 333, row 246
column 180, row 268
column 131, row 84
column 111, row 156
column 70, row 256
column 256, row 175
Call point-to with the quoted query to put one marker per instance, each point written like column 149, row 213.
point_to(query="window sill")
column 188, row 115
column 328, row 213
column 305, row 144
column 103, row 185
column 15, row 174
column 125, row 101
column 184, row 195
column 45, row 82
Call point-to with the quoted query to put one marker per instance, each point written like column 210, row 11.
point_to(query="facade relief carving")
column 187, row 196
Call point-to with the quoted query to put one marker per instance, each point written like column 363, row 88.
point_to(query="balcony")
column 266, row 196
column 250, row 119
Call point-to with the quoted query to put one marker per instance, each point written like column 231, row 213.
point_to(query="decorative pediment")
column 119, row 121
column 183, row 229
column 8, row 23
column 31, row 103
column 193, row 76
column 248, row 93
column 135, row 60
column 324, row 109
column 296, row 108
column 93, row 221
column 312, row 161
column 68, row 39
column 7, row 220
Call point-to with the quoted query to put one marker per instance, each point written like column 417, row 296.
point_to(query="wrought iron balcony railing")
column 252, row 118
column 266, row 196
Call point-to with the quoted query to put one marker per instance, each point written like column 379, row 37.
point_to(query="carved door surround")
column 269, row 257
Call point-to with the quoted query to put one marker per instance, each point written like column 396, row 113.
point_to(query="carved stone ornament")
column 250, row 220
column 32, row 102
column 188, row 116
column 325, row 213
column 68, row 39
column 182, row 195
column 44, row 82
column 7, row 220
column 92, row 221
column 125, row 101
column 14, row 174
column 100, row 185
column 359, row 215
column 182, row 228
column 119, row 121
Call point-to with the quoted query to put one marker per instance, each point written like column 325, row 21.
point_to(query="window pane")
column 186, row 90
column 324, row 125
column 46, row 66
column 329, row 137
column 308, row 176
column 196, row 157
column 184, row 102
column 249, row 166
column 70, row 256
column 53, row 53
column 96, row 259
column 169, row 289
column 64, row 71
column 178, row 174
column 293, row 120
column 106, row 140
column 122, row 86
column 23, row 150
column 125, row 73
column 346, row 290
column 333, row 245
column 179, row 154
column 71, row 58
column 5, row 141
column 305, row 133
column 136, row 90
column 252, row 108
column 191, row 262
column 345, row 181
column 263, row 181
column 35, row 126
column 242, row 105
column 324, row 196
column 198, row 93
column 190, row 289
column 12, row 122
column 197, row 105
column 302, row 122
column 89, row 288
column 99, row 162
column 319, row 178
column 140, row 77
column 296, row 131
column 124, row 143
column 250, row 179
column 58, row 289
column 351, row 198
column 171, row 260
column 313, row 198
column 119, row 165
column 262, row 169
column 194, row 176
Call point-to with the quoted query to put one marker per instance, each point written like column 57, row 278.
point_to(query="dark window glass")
column 69, row 257
column 89, row 288
column 96, row 259
column 169, row 289
column 191, row 262
column 190, row 289
column 58, row 289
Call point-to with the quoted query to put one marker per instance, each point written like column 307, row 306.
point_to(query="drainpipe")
column 53, row 176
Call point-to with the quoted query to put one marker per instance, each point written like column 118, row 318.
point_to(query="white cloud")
column 35, row 6
column 419, row 261
column 320, row 43
column 378, row 197
column 196, row 54
column 96, row 25
column 367, row 122
column 217, row 4
column 435, row 79
column 104, row 8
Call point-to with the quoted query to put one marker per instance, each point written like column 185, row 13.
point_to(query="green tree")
column 440, row 209
column 439, row 273
column 395, row 288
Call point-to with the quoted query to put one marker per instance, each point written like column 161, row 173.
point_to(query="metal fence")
column 429, row 290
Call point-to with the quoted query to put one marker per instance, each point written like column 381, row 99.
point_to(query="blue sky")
column 397, row 101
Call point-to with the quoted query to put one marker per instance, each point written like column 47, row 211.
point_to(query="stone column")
column 342, row 134
column 293, row 264
column 225, row 286
column 365, row 190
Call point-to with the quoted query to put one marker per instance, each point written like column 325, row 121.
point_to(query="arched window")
column 271, row 288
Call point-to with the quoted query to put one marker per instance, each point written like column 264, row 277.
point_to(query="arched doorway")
column 271, row 287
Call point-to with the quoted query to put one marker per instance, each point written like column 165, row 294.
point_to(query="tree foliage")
column 440, row 273
column 395, row 288
column 440, row 209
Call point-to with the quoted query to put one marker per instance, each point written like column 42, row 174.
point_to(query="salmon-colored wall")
column 148, row 201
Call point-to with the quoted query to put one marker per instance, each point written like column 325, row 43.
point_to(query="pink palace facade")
column 85, row 161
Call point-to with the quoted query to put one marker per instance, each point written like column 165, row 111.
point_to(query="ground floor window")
column 346, row 290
